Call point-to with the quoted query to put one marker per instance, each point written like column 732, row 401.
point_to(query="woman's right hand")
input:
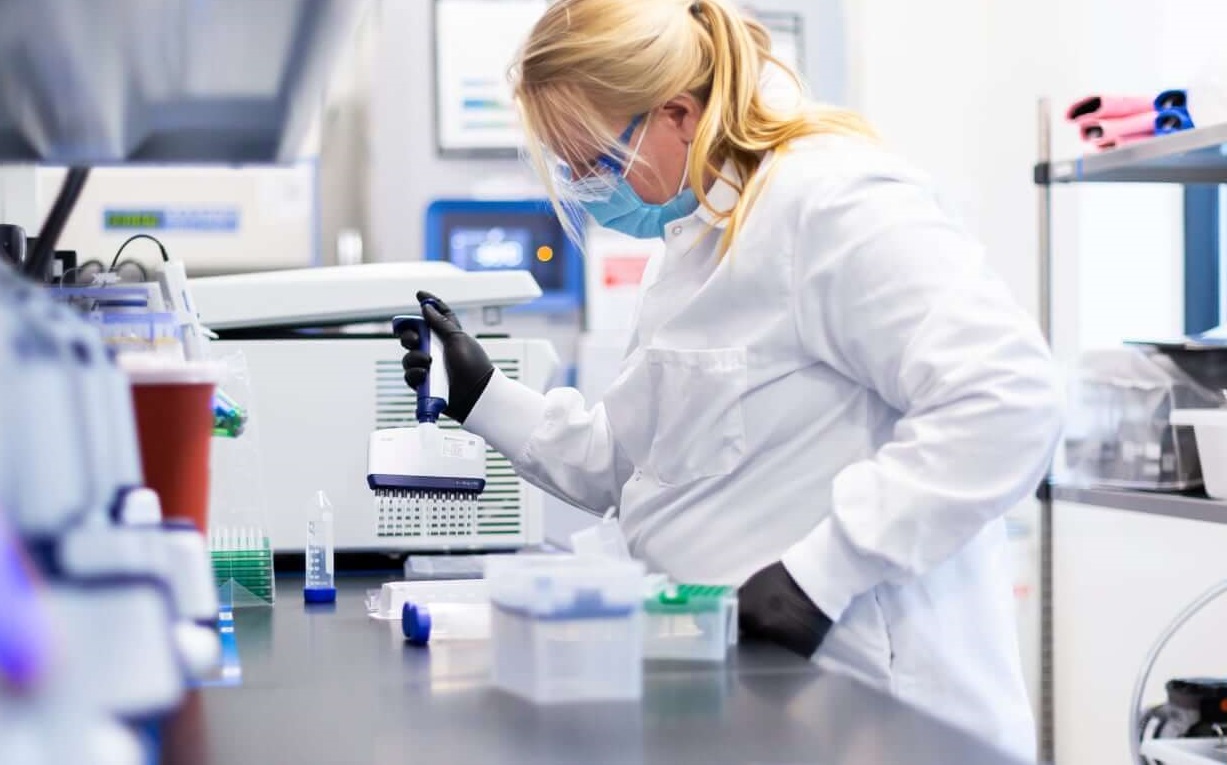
column 468, row 367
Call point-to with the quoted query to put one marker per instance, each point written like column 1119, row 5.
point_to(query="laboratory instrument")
column 126, row 594
column 348, row 383
column 1196, row 706
column 340, row 295
column 389, row 601
column 422, row 477
column 481, row 235
column 215, row 219
column 493, row 234
column 1119, row 428
column 320, row 586
column 425, row 623
column 690, row 622
column 566, row 629
column 426, row 481
column 1210, row 434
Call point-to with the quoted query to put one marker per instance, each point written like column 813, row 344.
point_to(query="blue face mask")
column 624, row 211
column 620, row 208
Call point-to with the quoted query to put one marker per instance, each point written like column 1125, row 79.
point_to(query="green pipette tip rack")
column 689, row 599
column 244, row 577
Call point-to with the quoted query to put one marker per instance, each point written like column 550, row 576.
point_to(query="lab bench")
column 328, row 684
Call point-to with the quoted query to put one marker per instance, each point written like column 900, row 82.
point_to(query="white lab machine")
column 317, row 394
column 214, row 219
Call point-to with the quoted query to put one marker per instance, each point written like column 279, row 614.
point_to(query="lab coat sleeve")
column 554, row 441
column 895, row 296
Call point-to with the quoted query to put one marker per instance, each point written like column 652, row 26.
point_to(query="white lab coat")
column 848, row 390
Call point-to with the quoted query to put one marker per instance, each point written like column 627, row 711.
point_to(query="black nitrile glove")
column 773, row 608
column 468, row 367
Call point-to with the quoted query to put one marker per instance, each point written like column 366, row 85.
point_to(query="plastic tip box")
column 691, row 622
column 567, row 629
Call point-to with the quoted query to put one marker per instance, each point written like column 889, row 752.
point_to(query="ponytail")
column 737, row 126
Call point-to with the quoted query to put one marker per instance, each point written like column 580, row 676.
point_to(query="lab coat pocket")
column 696, row 399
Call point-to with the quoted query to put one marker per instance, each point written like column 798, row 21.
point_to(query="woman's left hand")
column 773, row 608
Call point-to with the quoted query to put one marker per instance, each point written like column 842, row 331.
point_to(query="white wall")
column 952, row 85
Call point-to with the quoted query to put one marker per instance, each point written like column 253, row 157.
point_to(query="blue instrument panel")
column 493, row 235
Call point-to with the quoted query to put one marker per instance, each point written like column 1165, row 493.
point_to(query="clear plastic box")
column 690, row 622
column 389, row 600
column 567, row 629
column 1118, row 428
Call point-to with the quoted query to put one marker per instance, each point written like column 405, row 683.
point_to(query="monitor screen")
column 509, row 234
column 475, row 45
column 476, row 245
column 490, row 249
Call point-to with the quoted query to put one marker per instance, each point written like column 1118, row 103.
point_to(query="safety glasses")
column 600, row 178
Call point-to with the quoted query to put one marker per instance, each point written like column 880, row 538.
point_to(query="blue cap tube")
column 415, row 624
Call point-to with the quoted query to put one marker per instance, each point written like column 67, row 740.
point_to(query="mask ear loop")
column 634, row 155
column 681, row 186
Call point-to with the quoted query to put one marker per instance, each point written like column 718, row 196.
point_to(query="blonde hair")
column 588, row 63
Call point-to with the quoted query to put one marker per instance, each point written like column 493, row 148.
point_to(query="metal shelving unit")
column 1197, row 160
column 1193, row 156
column 1184, row 506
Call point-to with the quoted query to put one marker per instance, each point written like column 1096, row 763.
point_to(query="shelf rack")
column 1185, row 506
column 1197, row 160
column 1196, row 156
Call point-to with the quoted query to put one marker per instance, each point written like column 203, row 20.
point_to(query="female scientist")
column 828, row 400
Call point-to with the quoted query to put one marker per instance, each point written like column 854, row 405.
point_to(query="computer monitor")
column 475, row 44
column 493, row 235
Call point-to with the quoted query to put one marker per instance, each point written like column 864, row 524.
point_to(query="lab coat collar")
column 722, row 197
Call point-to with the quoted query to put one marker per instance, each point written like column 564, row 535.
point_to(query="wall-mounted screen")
column 475, row 44
column 500, row 235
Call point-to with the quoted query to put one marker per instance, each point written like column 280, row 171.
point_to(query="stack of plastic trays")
column 242, row 566
column 690, row 622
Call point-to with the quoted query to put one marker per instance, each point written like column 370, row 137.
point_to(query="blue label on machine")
column 221, row 219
